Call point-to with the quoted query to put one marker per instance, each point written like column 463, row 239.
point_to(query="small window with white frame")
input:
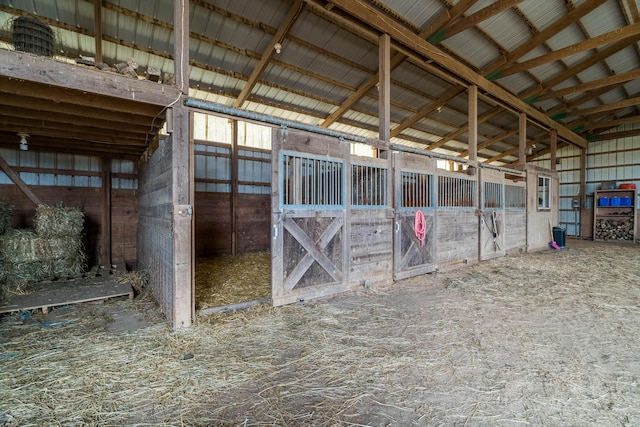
column 544, row 192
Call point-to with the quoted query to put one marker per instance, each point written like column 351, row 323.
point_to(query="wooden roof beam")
column 428, row 109
column 278, row 37
column 369, row 14
column 543, row 35
column 474, row 19
column 397, row 59
column 514, row 150
column 613, row 123
column 571, row 72
column 584, row 87
column 630, row 31
column 436, row 30
column 491, row 141
column 456, row 133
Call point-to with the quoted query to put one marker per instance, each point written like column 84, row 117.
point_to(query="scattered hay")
column 56, row 221
column 6, row 217
column 230, row 280
column 539, row 339
column 138, row 280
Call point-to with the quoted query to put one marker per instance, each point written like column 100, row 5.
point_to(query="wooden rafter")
column 474, row 19
column 613, row 123
column 428, row 109
column 630, row 31
column 366, row 13
column 396, row 60
column 514, row 150
column 581, row 66
column 462, row 130
column 436, row 29
column 595, row 84
column 491, row 141
column 543, row 36
column 278, row 37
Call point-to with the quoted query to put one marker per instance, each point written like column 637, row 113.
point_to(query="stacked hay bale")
column 52, row 249
column 6, row 214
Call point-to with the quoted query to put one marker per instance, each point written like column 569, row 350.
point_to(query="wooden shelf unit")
column 614, row 222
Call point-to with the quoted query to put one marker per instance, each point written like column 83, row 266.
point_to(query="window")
column 544, row 192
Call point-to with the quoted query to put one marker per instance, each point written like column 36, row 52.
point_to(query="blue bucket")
column 625, row 201
column 603, row 201
column 615, row 201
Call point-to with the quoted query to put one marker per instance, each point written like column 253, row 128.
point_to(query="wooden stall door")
column 492, row 215
column 414, row 195
column 310, row 248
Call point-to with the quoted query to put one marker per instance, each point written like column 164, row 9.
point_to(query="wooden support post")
column 522, row 139
column 384, row 88
column 19, row 182
column 554, row 148
column 473, row 129
column 97, row 32
column 182, row 219
column 234, row 187
column 192, row 198
column 583, row 195
column 181, row 47
column 105, row 238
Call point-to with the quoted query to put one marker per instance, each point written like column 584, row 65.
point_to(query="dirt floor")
column 545, row 339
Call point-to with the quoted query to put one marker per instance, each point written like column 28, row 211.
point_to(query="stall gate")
column 415, row 219
column 457, row 206
column 515, row 223
column 492, row 219
column 310, row 231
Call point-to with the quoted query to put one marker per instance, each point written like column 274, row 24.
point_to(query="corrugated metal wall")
column 615, row 160
column 67, row 170
column 213, row 156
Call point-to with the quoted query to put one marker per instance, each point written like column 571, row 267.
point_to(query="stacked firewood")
column 614, row 229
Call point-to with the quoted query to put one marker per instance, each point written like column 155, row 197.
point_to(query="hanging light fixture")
column 23, row 141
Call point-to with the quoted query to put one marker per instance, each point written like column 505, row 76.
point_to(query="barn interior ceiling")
column 573, row 63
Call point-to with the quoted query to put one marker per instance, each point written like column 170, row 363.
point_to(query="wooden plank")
column 182, row 217
column 88, row 85
column 55, row 294
column 473, row 123
column 384, row 88
column 19, row 182
column 105, row 237
column 181, row 45
column 97, row 33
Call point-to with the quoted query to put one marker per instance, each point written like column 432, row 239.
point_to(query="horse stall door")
column 492, row 215
column 415, row 220
column 310, row 247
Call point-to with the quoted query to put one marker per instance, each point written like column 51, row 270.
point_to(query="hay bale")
column 6, row 216
column 58, row 221
column 28, row 257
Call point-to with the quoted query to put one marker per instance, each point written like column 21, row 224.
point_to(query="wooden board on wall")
column 124, row 226
column 457, row 238
column 212, row 213
column 515, row 225
column 254, row 223
column 371, row 247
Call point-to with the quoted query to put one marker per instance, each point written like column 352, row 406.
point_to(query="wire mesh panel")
column 310, row 181
column 493, row 195
column 417, row 190
column 456, row 192
column 369, row 186
column 515, row 197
